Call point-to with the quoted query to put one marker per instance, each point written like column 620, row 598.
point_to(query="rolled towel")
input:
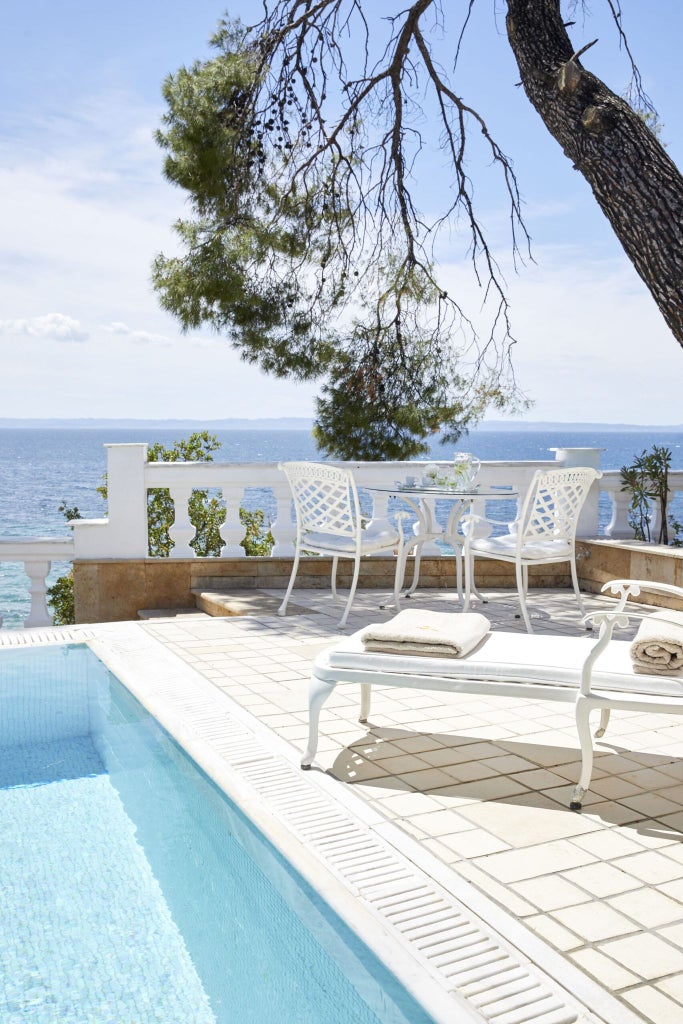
column 658, row 646
column 431, row 634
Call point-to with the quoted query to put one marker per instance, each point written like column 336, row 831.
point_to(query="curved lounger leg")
column 604, row 722
column 283, row 607
column 583, row 710
column 365, row 695
column 318, row 692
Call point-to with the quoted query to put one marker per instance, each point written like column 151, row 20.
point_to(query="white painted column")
column 619, row 527
column 232, row 531
column 181, row 530
column 123, row 534
column 284, row 527
column 38, row 614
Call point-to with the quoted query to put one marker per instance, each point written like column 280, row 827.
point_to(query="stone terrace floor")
column 484, row 782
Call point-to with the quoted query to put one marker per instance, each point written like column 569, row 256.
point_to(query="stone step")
column 171, row 613
column 242, row 602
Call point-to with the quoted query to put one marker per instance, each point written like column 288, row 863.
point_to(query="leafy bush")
column 648, row 481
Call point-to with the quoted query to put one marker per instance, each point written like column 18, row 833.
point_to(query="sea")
column 42, row 468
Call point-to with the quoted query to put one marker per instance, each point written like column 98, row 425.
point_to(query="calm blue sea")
column 40, row 468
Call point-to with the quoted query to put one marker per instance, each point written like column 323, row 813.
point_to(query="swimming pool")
column 135, row 891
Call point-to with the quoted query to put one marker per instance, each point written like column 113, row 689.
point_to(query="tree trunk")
column 638, row 186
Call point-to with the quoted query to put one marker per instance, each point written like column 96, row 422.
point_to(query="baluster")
column 284, row 527
column 232, row 531
column 38, row 614
column 181, row 531
column 618, row 526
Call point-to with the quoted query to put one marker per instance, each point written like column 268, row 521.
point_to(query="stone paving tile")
column 645, row 954
column 602, row 879
column 554, row 933
column 595, row 923
column 654, row 1005
column 603, row 969
column 511, row 820
column 483, row 784
column 533, row 861
column 551, row 893
column 651, row 867
column 673, row 987
column 650, row 908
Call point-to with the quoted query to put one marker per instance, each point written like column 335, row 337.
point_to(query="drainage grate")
column 48, row 635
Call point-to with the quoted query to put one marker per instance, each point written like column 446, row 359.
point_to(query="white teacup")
column 411, row 481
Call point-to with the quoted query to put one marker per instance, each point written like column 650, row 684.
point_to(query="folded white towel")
column 434, row 634
column 658, row 646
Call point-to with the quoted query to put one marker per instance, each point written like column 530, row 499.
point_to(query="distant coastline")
column 303, row 423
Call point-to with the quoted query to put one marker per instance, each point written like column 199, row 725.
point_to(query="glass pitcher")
column 465, row 468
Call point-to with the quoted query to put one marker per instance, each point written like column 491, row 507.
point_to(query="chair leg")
column 295, row 565
column 469, row 577
column 457, row 551
column 333, row 582
column 416, row 570
column 575, row 582
column 399, row 575
column 522, row 582
column 354, row 582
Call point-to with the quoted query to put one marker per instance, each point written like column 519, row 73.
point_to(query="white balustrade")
column 123, row 534
column 37, row 555
column 130, row 477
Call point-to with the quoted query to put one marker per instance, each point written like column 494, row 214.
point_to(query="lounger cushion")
column 552, row 661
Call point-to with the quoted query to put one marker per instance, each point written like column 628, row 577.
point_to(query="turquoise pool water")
column 134, row 892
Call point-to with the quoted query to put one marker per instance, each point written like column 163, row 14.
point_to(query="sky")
column 84, row 208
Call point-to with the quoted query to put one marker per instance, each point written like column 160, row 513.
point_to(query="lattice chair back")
column 325, row 498
column 553, row 505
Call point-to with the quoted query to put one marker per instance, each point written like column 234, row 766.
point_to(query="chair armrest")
column 474, row 525
column 400, row 516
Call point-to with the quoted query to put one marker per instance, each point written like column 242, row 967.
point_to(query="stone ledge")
column 110, row 590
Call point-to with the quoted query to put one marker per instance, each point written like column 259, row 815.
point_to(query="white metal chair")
column 544, row 532
column 328, row 521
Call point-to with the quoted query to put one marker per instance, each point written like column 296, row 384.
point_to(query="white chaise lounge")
column 580, row 670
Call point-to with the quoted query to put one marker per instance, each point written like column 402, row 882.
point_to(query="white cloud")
column 145, row 337
column 53, row 326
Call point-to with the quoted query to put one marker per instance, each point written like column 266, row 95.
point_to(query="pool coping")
column 450, row 945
